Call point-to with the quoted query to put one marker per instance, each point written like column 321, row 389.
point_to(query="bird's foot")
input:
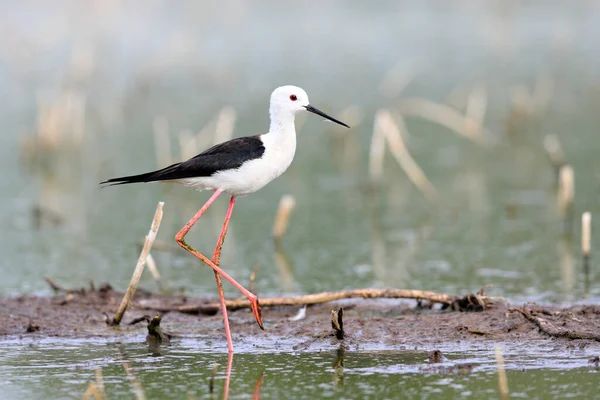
column 256, row 311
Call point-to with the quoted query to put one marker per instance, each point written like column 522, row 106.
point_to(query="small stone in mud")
column 32, row 328
column 436, row 356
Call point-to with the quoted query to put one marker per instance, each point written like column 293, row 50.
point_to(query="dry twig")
column 471, row 302
column 139, row 268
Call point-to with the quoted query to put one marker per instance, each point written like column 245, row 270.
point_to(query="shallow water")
column 60, row 369
column 496, row 223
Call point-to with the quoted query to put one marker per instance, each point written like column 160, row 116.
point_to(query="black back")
column 227, row 155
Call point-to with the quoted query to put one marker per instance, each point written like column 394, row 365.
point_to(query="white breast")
column 252, row 175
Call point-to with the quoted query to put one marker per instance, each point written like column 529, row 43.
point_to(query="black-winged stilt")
column 237, row 167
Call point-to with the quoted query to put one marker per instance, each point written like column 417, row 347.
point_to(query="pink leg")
column 228, row 376
column 215, row 259
column 180, row 238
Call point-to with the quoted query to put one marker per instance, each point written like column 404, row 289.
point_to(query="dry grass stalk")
column 398, row 148
column 586, row 233
column 139, row 390
column 139, row 268
column 188, row 145
column 96, row 389
column 92, row 392
column 161, row 246
column 63, row 116
column 443, row 115
column 60, row 125
column 502, row 379
column 225, row 124
column 566, row 194
column 396, row 80
column 542, row 92
column 477, row 105
column 162, row 142
column 458, row 98
column 205, row 137
column 151, row 264
column 586, row 237
column 554, row 150
column 284, row 268
column 100, row 382
column 376, row 153
column 253, row 279
column 522, row 100
column 282, row 217
column 352, row 115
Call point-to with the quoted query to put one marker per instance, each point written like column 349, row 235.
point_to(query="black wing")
column 227, row 155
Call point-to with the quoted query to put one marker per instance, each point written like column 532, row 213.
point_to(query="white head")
column 288, row 100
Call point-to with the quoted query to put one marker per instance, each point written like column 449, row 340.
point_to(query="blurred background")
column 447, row 180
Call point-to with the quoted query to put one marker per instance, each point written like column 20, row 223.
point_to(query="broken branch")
column 552, row 330
column 469, row 302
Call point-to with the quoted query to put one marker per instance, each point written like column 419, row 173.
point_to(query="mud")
column 380, row 324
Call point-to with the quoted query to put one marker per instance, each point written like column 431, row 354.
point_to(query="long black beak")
column 322, row 114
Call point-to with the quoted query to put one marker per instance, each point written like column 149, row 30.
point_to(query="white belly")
column 252, row 175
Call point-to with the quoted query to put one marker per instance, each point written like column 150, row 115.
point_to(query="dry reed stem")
column 282, row 217
column 225, row 124
column 139, row 268
column 502, row 379
column 396, row 80
column 100, row 394
column 586, row 233
column 151, row 264
column 542, row 92
column 162, row 142
column 188, row 145
column 205, row 136
column 522, row 100
column 554, row 150
column 566, row 190
column 376, row 153
column 352, row 115
column 400, row 152
column 325, row 297
column 284, row 268
column 92, row 392
column 443, row 115
column 477, row 105
column 253, row 279
column 139, row 390
column 161, row 246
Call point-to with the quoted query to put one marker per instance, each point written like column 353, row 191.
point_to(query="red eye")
column 293, row 97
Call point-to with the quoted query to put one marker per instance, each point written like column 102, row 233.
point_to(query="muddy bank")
column 385, row 323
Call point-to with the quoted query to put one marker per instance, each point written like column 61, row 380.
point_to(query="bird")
column 237, row 167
